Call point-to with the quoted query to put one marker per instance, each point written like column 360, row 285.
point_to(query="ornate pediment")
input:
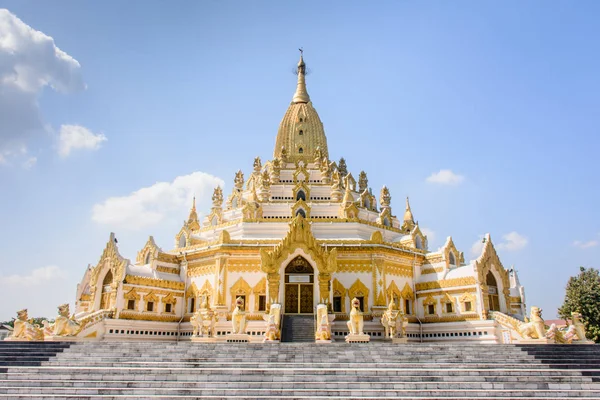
column 110, row 256
column 207, row 288
column 450, row 254
column 407, row 292
column 489, row 260
column 393, row 290
column 429, row 300
column 301, row 174
column 148, row 253
column 260, row 287
column 301, row 205
column 301, row 191
column 299, row 236
column 132, row 295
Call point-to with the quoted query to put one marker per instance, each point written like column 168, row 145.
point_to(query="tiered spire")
column 301, row 95
column 408, row 216
column 192, row 221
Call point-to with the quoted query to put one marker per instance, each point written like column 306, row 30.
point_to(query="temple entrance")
column 106, row 291
column 299, row 286
column 493, row 298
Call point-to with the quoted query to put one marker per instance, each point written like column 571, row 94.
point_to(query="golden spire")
column 301, row 95
column 408, row 217
column 192, row 221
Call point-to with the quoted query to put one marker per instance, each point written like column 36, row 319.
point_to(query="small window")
column 419, row 242
column 300, row 119
column 361, row 300
column 182, row 241
column 407, row 306
column 430, row 309
column 468, row 306
column 262, row 303
column 300, row 195
column 131, row 304
column 386, row 222
column 300, row 150
column 301, row 133
column 192, row 304
column 449, row 308
column 452, row 259
column 150, row 306
column 337, row 304
column 301, row 212
column 168, row 307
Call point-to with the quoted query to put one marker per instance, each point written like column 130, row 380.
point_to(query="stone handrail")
column 95, row 317
column 506, row 320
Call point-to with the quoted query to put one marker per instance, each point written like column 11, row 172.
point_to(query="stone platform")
column 185, row 370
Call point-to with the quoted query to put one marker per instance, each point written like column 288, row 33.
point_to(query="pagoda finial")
column 301, row 95
column 192, row 221
column 408, row 217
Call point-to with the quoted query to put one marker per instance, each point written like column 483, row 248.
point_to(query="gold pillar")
column 221, row 279
column 273, row 283
column 324, row 285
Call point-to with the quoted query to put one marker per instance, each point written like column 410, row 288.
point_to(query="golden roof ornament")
column 301, row 95
column 385, row 198
column 238, row 181
column 257, row 164
column 192, row 221
column 301, row 130
column 217, row 197
column 363, row 182
column 408, row 217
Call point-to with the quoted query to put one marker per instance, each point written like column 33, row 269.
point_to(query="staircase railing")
column 281, row 318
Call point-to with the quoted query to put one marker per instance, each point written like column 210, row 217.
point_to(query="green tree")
column 36, row 320
column 583, row 295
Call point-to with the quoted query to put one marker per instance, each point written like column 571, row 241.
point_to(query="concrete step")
column 436, row 392
column 301, row 371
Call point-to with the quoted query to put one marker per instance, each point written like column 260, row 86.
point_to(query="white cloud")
column 29, row 62
column 73, row 137
column 153, row 204
column 30, row 162
column 513, row 241
column 586, row 245
column 36, row 277
column 445, row 177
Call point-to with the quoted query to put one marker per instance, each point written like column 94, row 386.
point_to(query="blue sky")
column 505, row 96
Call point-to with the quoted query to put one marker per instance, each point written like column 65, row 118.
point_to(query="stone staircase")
column 145, row 370
column 298, row 328
column 28, row 354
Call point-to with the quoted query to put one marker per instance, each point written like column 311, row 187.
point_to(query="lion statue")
column 356, row 322
column 24, row 328
column 272, row 332
column 535, row 327
column 238, row 317
column 578, row 325
column 64, row 325
column 203, row 321
column 393, row 321
column 323, row 327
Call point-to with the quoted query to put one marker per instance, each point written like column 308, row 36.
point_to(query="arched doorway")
column 106, row 291
column 299, row 285
column 493, row 298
